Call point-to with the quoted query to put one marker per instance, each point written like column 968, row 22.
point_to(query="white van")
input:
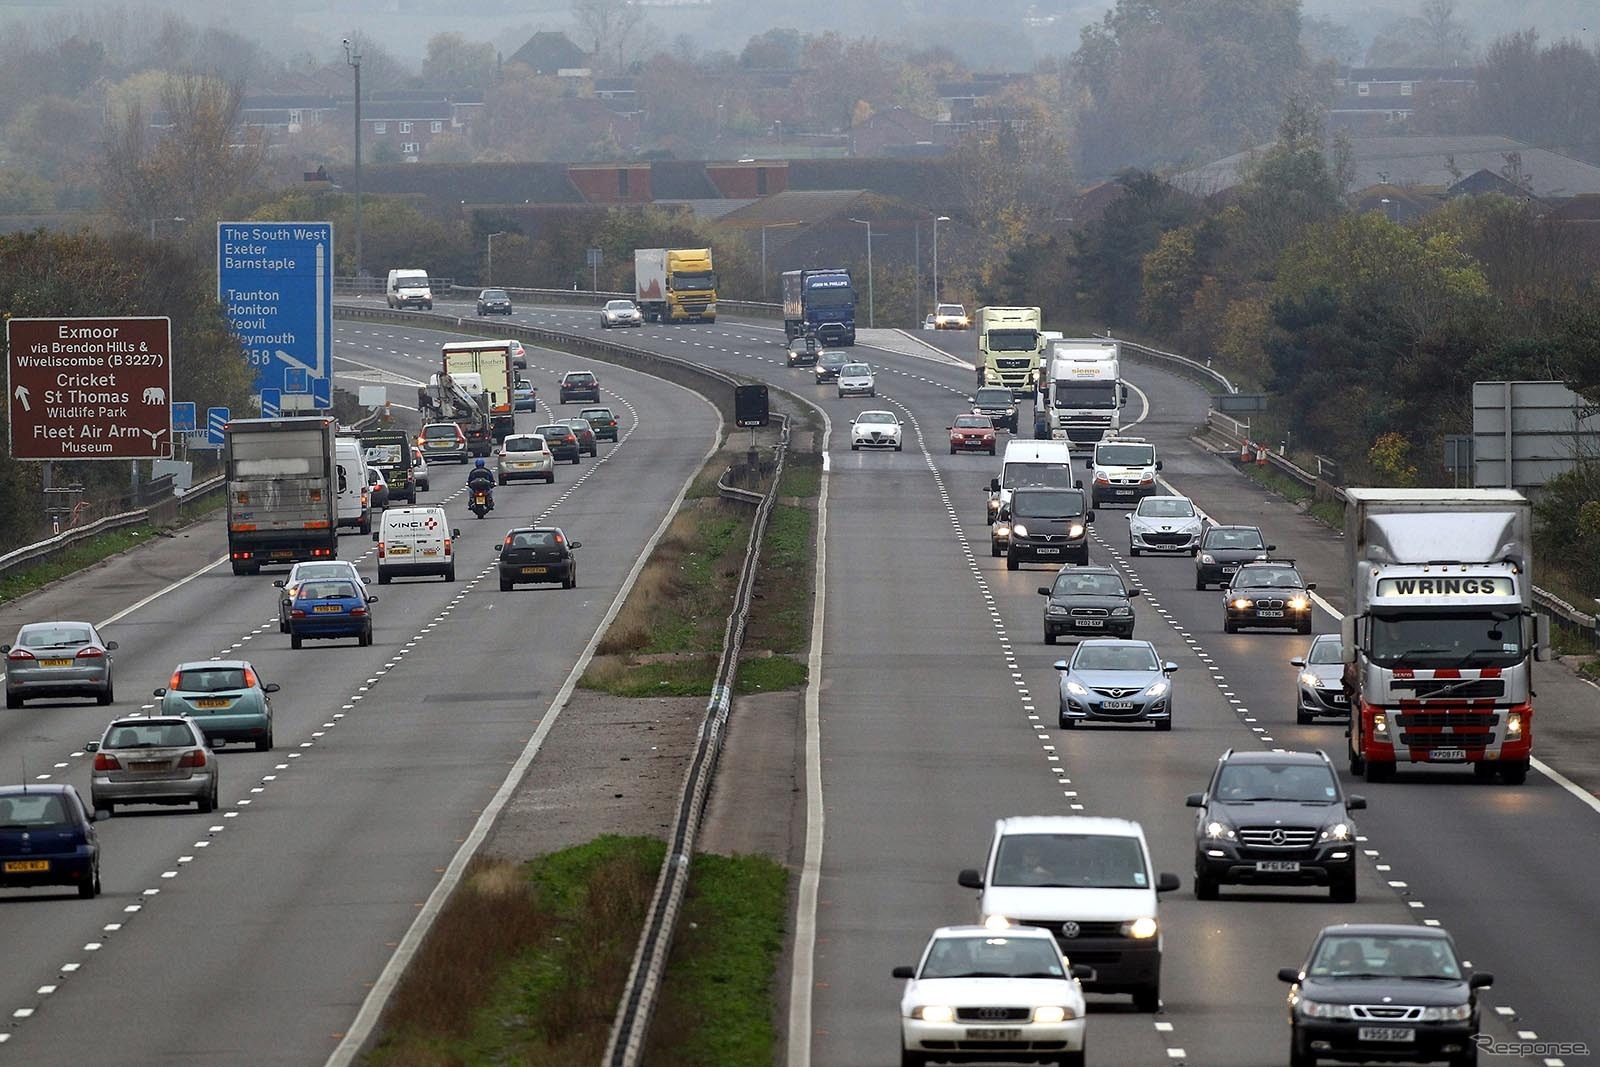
column 409, row 289
column 355, row 498
column 415, row 540
column 1043, row 463
column 1088, row 881
column 1124, row 471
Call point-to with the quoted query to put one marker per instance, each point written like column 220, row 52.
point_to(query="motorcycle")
column 480, row 503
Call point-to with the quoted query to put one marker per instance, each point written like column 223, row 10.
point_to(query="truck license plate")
column 993, row 1033
column 1441, row 755
column 1386, row 1033
column 1278, row 866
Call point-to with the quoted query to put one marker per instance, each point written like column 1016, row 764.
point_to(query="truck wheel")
column 1515, row 772
column 1379, row 770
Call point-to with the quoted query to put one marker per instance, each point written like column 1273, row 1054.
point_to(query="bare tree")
column 608, row 27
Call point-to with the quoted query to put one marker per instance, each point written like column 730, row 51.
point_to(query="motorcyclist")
column 481, row 477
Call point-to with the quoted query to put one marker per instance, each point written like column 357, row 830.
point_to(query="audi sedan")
column 157, row 759
column 1005, row 995
column 47, row 838
column 620, row 313
column 494, row 302
column 1320, row 684
column 1267, row 595
column 1164, row 524
column 856, row 379
column 972, row 433
column 532, row 554
column 225, row 698
column 1087, row 602
column 1116, row 681
column 875, row 429
column 58, row 659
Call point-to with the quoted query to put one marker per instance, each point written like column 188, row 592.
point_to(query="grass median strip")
column 74, row 559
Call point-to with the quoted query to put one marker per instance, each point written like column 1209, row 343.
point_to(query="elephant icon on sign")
column 155, row 395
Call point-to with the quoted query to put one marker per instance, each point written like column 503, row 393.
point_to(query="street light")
column 764, row 229
column 488, row 270
column 868, row 224
column 936, row 220
column 175, row 218
column 352, row 56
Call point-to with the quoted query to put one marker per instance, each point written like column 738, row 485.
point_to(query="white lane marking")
column 803, row 973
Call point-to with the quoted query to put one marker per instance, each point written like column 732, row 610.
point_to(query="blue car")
column 523, row 396
column 47, row 837
column 330, row 608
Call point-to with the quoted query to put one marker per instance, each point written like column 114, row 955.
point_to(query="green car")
column 225, row 698
column 603, row 422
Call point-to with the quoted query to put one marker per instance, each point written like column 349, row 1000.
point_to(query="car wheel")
column 107, row 806
column 366, row 524
column 952, row 450
column 1304, row 627
column 365, row 638
column 550, row 479
column 1515, row 772
column 1131, row 550
column 505, row 586
column 104, row 699
column 1379, row 770
column 294, row 641
column 1049, row 638
column 1205, row 887
column 502, row 479
column 383, row 579
column 1073, row 1059
column 450, row 575
column 991, row 451
column 994, row 549
column 265, row 744
column 1148, row 998
column 1343, row 890
column 898, row 448
column 855, row 448
column 1469, row 1058
column 1011, row 561
column 13, row 701
column 912, row 1059
column 1199, row 583
column 1358, row 762
column 1299, row 1055
column 1230, row 628
column 208, row 802
column 578, row 458
column 91, row 889
column 1164, row 725
column 1304, row 718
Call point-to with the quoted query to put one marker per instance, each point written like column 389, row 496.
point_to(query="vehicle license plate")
column 1048, row 551
column 536, row 570
column 1118, row 705
column 327, row 609
column 212, row 702
column 55, row 663
column 1439, row 754
column 400, row 550
column 1386, row 1033
column 1278, row 866
column 1340, row 698
column 428, row 551
column 993, row 1033
column 282, row 553
column 23, row 866
column 1230, row 569
column 1268, row 614
column 149, row 765
column 1090, row 622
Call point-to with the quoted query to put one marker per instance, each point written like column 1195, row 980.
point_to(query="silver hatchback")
column 58, row 659
column 159, row 759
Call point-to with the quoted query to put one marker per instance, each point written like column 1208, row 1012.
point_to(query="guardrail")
column 1204, row 370
column 593, row 298
column 632, row 1023
column 1227, row 428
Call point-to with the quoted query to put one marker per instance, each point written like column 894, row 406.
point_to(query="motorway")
column 937, row 716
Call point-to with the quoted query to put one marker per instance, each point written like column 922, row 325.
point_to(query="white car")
column 1008, row 993
column 855, row 379
column 875, row 429
column 419, row 469
column 1164, row 524
column 519, row 355
column 620, row 313
column 525, row 455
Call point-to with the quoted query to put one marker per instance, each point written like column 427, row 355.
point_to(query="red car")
column 972, row 433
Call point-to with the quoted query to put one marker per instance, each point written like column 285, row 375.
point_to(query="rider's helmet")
column 479, row 462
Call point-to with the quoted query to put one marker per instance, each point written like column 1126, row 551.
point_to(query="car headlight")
column 1147, row 476
column 1058, row 609
column 1011, row 411
column 1075, row 530
column 711, row 307
column 1053, row 1013
column 1316, row 1009
column 994, row 505
column 1339, row 831
column 1121, row 613
column 1158, row 690
column 1380, row 723
column 1454, row 1013
column 1241, row 603
column 1019, row 530
column 1205, row 557
column 1219, row 830
column 1077, row 689
column 1298, row 603
column 934, row 1013
column 1002, row 530
column 1514, row 725
column 997, row 922
column 1141, row 929
column 1307, row 678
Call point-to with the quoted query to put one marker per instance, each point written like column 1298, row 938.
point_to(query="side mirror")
column 994, row 485
column 1297, row 662
column 1134, row 592
column 91, row 746
column 904, row 972
column 1060, row 664
column 574, row 544
column 1166, row 882
column 158, row 692
column 1077, row 483
column 1169, row 667
column 1044, row 590
column 1129, row 516
column 1290, row 974
column 455, row 533
column 372, row 600
column 278, row 583
column 1310, row 586
column 1355, row 802
column 1088, row 516
column 273, row 687
column 374, row 535
column 1158, row 464
column 949, row 427
column 1272, row 548
column 970, row 879
column 5, row 648
column 497, row 548
column 111, row 646
column 1081, row 971
column 1195, row 800
column 1481, row 980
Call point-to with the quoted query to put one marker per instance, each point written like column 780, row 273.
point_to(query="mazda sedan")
column 532, row 554
column 226, row 699
column 1116, row 681
column 876, row 429
column 328, row 608
column 58, row 659
column 47, row 838
column 158, row 759
column 1321, row 681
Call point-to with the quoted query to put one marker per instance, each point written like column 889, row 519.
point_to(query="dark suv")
column 1270, row 594
column 580, row 385
column 1223, row 548
column 996, row 402
column 1045, row 526
column 1087, row 602
column 494, row 302
column 1275, row 818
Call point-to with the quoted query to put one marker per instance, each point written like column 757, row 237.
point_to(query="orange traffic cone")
column 1261, row 456
column 1244, row 452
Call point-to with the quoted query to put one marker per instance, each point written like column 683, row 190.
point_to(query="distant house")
column 898, row 131
column 284, row 115
column 1371, row 100
column 554, row 54
column 406, row 126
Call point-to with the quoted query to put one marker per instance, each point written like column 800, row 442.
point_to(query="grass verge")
column 74, row 559
column 717, row 1006
column 526, row 963
column 1328, row 512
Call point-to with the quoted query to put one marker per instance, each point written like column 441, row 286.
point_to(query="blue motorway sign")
column 216, row 419
column 183, row 414
column 275, row 283
column 271, row 403
column 322, row 393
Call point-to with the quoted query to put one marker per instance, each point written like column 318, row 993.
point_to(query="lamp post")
column 174, row 218
column 936, row 220
column 868, row 224
column 352, row 56
column 488, row 270
column 764, row 229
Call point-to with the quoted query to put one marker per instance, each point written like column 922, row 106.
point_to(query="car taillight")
column 508, row 541
column 172, row 683
column 382, row 545
column 363, row 498
column 447, row 546
column 193, row 758
column 19, row 654
column 249, row 678
column 298, row 613
column 358, row 611
column 103, row 762
column 91, row 653
column 558, row 539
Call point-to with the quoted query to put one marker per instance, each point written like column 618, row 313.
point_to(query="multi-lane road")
column 937, row 715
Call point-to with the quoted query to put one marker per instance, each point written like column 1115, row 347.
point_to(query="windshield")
column 1266, row 577
column 53, row 636
column 833, row 358
column 1384, row 956
column 1299, row 782
column 493, row 294
column 1079, row 861
column 857, row 368
column 29, row 811
column 523, row 444
column 1052, row 505
column 1085, row 395
column 1012, row 340
column 1125, row 455
column 950, row 309
column 385, row 455
column 1443, row 639
column 619, row 305
column 973, row 422
column 685, row 281
column 1166, row 508
column 830, row 296
column 1054, row 475
column 1091, row 584
column 992, row 957
column 1326, row 652
column 148, row 735
column 211, row 680
column 306, row 571
column 325, row 589
column 580, row 377
column 560, row 433
column 433, row 432
column 993, row 398
column 1115, row 658
column 875, row 417
column 1244, row 540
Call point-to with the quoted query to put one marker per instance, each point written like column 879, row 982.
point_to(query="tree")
column 454, row 63
column 610, row 29
column 778, row 48
column 1109, row 252
column 1324, row 39
column 1434, row 37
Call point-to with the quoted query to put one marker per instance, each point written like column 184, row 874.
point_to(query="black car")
column 1267, row 595
column 580, row 385
column 1044, row 526
column 603, row 421
column 562, row 441
column 1087, row 602
column 996, row 402
column 1223, row 548
column 588, row 439
column 828, row 366
column 537, row 554
column 494, row 302
column 804, row 351
column 1275, row 818
column 47, row 837
column 1380, row 991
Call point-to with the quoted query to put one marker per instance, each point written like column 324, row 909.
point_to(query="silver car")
column 301, row 572
column 58, row 659
column 620, row 313
column 855, row 379
column 1320, row 686
column 1164, row 524
column 156, row 759
column 1116, row 681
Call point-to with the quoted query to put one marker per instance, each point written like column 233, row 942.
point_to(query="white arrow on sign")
column 22, row 395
